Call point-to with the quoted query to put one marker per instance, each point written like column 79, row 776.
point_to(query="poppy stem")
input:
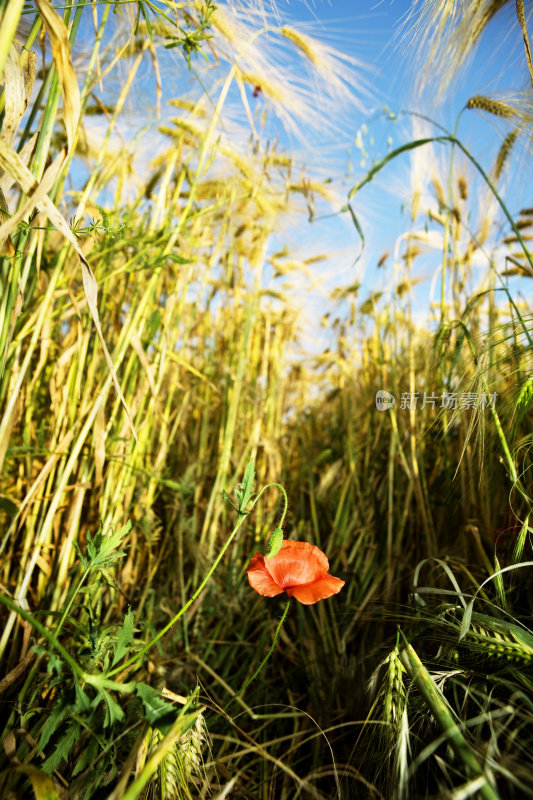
column 183, row 609
column 263, row 662
column 285, row 500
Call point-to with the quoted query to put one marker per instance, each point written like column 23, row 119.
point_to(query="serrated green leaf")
column 63, row 748
column 114, row 712
column 53, row 721
column 124, row 638
column 107, row 576
column 82, row 701
column 158, row 713
column 87, row 757
column 54, row 664
column 102, row 549
column 108, row 551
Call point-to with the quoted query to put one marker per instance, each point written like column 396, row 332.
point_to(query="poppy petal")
column 260, row 579
column 311, row 593
column 297, row 563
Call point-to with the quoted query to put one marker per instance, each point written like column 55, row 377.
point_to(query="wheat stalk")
column 492, row 106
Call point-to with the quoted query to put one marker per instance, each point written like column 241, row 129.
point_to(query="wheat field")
column 228, row 569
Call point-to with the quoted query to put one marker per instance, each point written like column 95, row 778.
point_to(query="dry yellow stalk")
column 505, row 151
column 463, row 188
column 304, row 43
column 268, row 88
column 55, row 27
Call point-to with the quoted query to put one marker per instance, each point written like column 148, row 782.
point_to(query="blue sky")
column 372, row 33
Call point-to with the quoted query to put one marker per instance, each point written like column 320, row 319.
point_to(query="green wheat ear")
column 275, row 540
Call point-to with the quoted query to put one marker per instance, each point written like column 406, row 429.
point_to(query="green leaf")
column 357, row 225
column 82, row 701
column 63, row 748
column 177, row 259
column 146, row 19
column 521, row 635
column 102, row 550
column 124, row 638
column 389, row 157
column 8, row 506
column 87, row 757
column 113, row 712
column 247, row 487
column 445, row 717
column 521, row 539
column 467, row 619
column 158, row 713
column 53, row 721
column 228, row 500
column 54, row 663
column 498, row 582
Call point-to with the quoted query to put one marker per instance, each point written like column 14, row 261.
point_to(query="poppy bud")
column 274, row 543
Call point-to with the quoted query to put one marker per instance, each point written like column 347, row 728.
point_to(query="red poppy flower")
column 300, row 569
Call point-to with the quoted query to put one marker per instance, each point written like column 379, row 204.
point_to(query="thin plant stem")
column 187, row 605
column 50, row 638
column 263, row 662
column 201, row 587
column 10, row 18
column 71, row 600
column 450, row 138
column 285, row 499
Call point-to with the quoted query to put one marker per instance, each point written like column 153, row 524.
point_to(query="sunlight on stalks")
column 445, row 34
column 176, row 247
column 331, row 80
